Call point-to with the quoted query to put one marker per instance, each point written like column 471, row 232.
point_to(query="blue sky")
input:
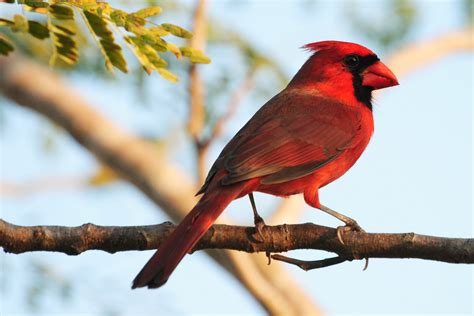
column 416, row 175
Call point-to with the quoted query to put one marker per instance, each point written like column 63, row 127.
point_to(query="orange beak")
column 378, row 76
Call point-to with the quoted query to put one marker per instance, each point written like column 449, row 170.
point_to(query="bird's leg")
column 257, row 219
column 351, row 224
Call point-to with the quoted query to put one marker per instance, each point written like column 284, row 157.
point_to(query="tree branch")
column 196, row 89
column 234, row 102
column 42, row 184
column 280, row 238
column 421, row 53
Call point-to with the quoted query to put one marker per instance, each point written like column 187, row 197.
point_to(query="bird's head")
column 346, row 71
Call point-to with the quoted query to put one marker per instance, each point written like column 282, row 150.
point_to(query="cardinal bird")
column 305, row 137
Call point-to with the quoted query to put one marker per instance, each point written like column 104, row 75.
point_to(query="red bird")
column 305, row 137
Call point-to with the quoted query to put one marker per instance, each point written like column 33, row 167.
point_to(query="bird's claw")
column 366, row 265
column 259, row 225
column 350, row 226
column 269, row 257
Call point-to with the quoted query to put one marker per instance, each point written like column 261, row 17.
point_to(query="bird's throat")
column 362, row 93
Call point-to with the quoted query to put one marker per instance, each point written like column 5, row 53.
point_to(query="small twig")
column 310, row 265
column 421, row 53
column 234, row 102
column 43, row 184
column 202, row 146
column 196, row 90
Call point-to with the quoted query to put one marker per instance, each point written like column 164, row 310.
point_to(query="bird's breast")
column 349, row 156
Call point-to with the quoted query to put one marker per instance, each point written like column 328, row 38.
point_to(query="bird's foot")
column 351, row 225
column 259, row 226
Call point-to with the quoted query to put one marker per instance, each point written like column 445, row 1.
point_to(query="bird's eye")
column 352, row 61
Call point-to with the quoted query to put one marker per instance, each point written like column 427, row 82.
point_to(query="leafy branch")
column 144, row 37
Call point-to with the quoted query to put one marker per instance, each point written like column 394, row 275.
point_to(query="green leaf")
column 38, row 30
column 61, row 12
column 131, row 19
column 5, row 22
column 146, row 54
column 174, row 49
column 177, row 30
column 62, row 29
column 142, row 58
column 168, row 75
column 146, row 43
column 5, row 46
column 153, row 56
column 90, row 6
column 103, row 9
column 156, row 42
column 158, row 31
column 36, row 6
column 135, row 28
column 119, row 17
column 20, row 23
column 148, row 12
column 144, row 36
column 111, row 51
column 36, row 3
column 195, row 55
column 41, row 10
column 67, row 31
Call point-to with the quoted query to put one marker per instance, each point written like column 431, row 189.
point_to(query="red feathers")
column 339, row 48
column 305, row 137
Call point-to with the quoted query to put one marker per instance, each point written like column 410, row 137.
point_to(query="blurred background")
column 415, row 176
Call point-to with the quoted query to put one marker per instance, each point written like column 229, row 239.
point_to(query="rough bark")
column 280, row 238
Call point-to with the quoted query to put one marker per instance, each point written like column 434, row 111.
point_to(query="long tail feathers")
column 158, row 269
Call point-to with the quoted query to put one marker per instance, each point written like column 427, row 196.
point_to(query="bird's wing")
column 292, row 136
